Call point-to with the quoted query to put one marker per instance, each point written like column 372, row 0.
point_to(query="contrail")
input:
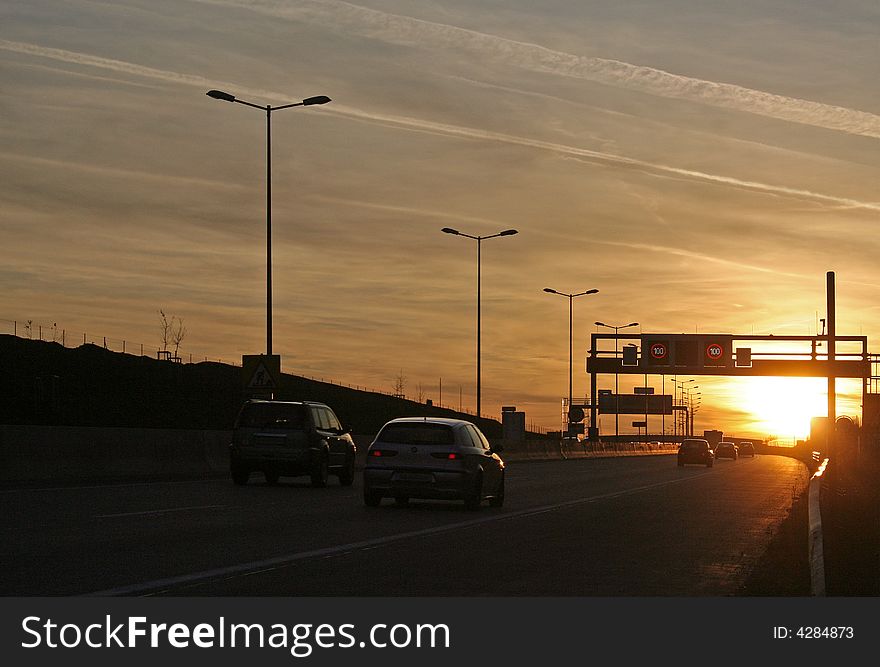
column 397, row 29
column 444, row 129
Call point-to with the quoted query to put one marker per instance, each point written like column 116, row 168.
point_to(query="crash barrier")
column 815, row 542
column 38, row 454
column 555, row 450
column 64, row 453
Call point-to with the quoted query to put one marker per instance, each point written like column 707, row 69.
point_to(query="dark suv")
column 291, row 438
column 695, row 450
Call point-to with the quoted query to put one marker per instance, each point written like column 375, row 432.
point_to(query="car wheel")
column 271, row 476
column 371, row 498
column 240, row 475
column 474, row 497
column 320, row 472
column 346, row 477
column 401, row 501
column 498, row 499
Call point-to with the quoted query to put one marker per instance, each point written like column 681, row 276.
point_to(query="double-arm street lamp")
column 479, row 240
column 571, row 298
column 616, row 394
column 309, row 101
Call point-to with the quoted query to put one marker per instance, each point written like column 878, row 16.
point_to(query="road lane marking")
column 249, row 568
column 165, row 511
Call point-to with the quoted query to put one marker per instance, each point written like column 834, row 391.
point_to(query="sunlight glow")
column 783, row 406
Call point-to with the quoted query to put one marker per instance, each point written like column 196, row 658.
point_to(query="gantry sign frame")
column 725, row 355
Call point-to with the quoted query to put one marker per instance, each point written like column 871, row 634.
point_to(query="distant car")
column 695, row 450
column 433, row 458
column 747, row 449
column 726, row 450
column 291, row 438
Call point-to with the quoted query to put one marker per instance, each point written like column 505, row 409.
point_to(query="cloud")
column 432, row 127
column 398, row 29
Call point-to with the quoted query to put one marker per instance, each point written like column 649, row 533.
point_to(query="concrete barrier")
column 39, row 454
column 67, row 453
column 816, row 545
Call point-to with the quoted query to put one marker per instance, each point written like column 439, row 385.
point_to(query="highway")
column 635, row 526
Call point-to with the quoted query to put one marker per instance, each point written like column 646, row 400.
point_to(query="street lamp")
column 309, row 101
column 616, row 395
column 679, row 386
column 571, row 298
column 479, row 240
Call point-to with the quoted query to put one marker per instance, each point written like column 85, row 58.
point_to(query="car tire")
column 271, row 477
column 474, row 498
column 240, row 475
column 498, row 499
column 346, row 477
column 401, row 501
column 371, row 498
column 320, row 472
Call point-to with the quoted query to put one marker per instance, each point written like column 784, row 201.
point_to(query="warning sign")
column 261, row 372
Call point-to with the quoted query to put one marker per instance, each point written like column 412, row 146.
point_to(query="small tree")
column 173, row 332
column 178, row 333
column 400, row 385
column 165, row 327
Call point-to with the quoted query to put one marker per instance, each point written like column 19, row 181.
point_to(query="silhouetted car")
column 291, row 439
column 433, row 458
column 747, row 449
column 726, row 450
column 695, row 450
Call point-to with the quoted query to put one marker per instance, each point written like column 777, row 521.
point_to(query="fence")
column 51, row 333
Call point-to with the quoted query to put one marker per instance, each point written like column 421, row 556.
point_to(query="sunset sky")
column 702, row 163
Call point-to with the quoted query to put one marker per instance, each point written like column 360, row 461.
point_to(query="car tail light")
column 449, row 456
column 378, row 453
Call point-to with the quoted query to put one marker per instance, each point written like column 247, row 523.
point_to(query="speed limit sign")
column 659, row 350
column 714, row 351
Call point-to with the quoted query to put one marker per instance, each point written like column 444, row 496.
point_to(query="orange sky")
column 702, row 164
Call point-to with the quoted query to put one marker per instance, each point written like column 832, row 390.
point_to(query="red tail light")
column 449, row 456
column 382, row 452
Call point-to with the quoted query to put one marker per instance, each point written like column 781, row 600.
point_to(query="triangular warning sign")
column 262, row 378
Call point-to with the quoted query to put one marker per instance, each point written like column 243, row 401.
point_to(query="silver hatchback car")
column 434, row 458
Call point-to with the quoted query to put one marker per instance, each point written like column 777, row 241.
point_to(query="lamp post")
column 309, row 101
column 679, row 387
column 616, row 396
column 571, row 298
column 689, row 397
column 479, row 240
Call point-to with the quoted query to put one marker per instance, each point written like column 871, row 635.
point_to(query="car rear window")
column 273, row 415
column 417, row 434
column 693, row 444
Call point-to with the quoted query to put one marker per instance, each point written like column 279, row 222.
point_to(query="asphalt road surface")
column 637, row 526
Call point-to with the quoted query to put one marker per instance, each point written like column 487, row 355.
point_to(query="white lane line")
column 164, row 511
column 268, row 563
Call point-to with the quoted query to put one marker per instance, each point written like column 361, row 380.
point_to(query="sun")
column 784, row 406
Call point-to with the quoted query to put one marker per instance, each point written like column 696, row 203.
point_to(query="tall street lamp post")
column 571, row 298
column 479, row 240
column 309, row 101
column 616, row 398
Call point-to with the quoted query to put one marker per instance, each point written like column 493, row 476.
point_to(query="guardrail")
column 815, row 542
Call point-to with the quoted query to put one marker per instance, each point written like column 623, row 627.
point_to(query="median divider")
column 554, row 450
column 816, row 543
column 66, row 454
